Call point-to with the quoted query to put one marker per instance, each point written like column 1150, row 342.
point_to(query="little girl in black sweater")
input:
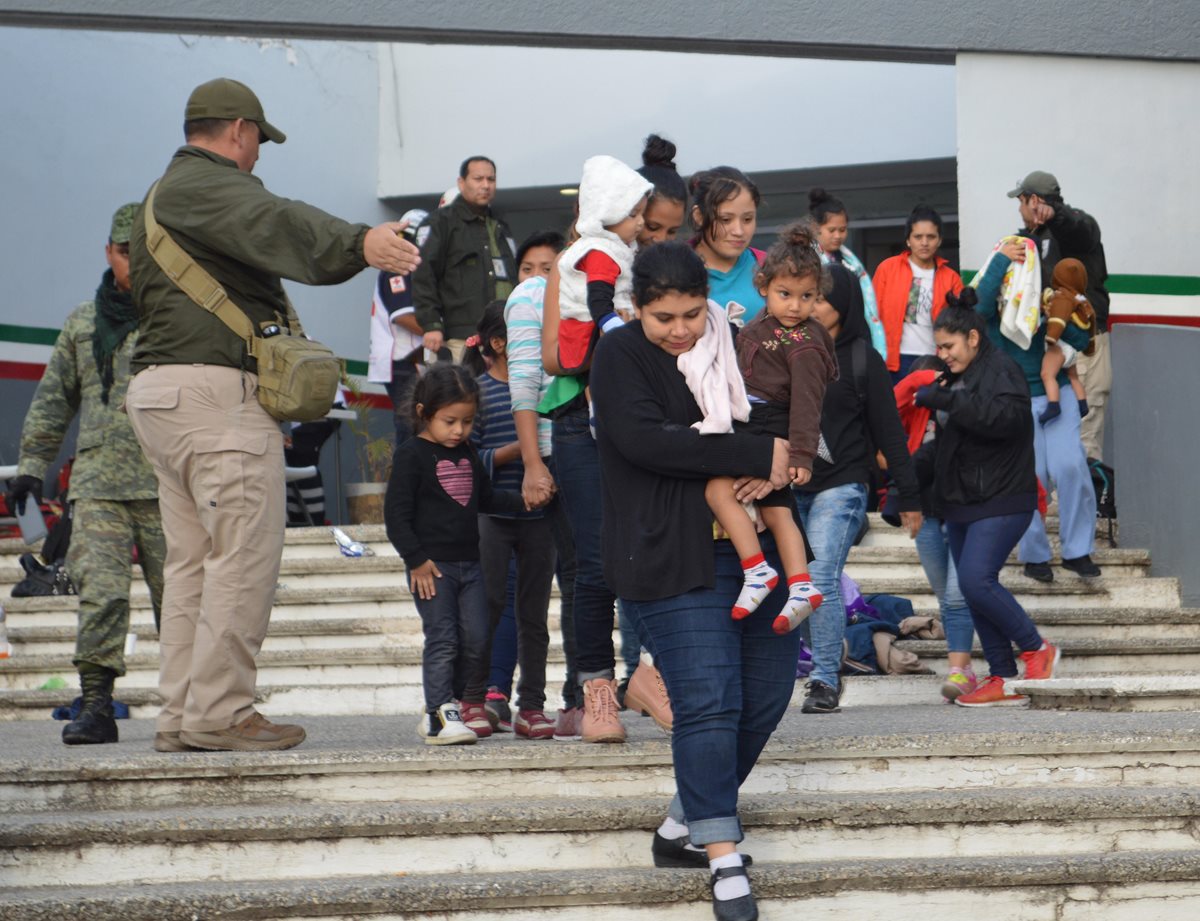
column 437, row 489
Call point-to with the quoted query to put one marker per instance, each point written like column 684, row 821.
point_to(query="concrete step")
column 275, row 840
column 899, row 750
column 1086, row 656
column 1128, row 591
column 878, row 560
column 1126, row 693
column 1160, row 885
column 1099, row 623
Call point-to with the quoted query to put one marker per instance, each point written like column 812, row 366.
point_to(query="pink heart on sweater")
column 456, row 479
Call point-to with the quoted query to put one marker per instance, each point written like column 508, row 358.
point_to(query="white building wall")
column 540, row 112
column 92, row 118
column 1121, row 136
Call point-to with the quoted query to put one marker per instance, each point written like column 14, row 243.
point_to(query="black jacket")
column 981, row 462
column 859, row 416
column 1074, row 234
column 456, row 278
column 657, row 537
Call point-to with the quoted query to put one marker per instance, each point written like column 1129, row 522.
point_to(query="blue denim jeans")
column 730, row 683
column 933, row 548
column 831, row 519
column 979, row 549
column 577, row 470
column 631, row 643
column 456, row 625
column 1062, row 468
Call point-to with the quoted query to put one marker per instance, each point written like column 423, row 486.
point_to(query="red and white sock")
column 803, row 599
column 758, row 581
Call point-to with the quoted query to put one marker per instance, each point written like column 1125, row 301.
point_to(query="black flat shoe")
column 677, row 855
column 742, row 908
column 1040, row 572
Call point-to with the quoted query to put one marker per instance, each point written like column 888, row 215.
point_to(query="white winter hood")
column 608, row 191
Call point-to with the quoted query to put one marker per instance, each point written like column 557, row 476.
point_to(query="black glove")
column 18, row 489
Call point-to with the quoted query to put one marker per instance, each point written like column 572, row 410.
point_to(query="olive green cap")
column 1039, row 183
column 122, row 223
column 229, row 99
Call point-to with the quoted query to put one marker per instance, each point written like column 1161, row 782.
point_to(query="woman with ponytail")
column 981, row 466
column 664, row 211
column 833, row 224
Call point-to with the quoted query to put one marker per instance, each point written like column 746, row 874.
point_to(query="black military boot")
column 95, row 723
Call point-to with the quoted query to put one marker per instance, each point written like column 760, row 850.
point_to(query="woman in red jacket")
column 911, row 289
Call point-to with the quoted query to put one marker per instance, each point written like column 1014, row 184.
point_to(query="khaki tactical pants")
column 219, row 461
column 1095, row 373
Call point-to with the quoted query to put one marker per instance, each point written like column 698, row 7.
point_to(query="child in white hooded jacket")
column 595, row 284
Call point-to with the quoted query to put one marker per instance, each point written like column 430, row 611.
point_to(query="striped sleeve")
column 527, row 380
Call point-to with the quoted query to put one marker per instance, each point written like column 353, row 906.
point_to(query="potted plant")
column 364, row 498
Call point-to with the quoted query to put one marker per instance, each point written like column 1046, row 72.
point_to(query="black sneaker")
column 681, row 853
column 1040, row 572
column 1082, row 566
column 822, row 698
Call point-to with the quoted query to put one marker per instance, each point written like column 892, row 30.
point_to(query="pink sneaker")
column 568, row 726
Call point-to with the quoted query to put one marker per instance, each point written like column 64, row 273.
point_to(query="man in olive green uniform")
column 468, row 260
column 113, row 487
column 193, row 404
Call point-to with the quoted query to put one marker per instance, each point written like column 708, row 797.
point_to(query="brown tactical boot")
column 253, row 734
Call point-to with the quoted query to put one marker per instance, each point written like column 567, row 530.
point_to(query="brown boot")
column 600, row 720
column 647, row 695
column 253, row 734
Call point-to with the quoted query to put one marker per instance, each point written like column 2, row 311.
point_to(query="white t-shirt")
column 393, row 297
column 916, row 337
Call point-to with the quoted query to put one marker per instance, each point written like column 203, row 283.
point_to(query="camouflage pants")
column 99, row 562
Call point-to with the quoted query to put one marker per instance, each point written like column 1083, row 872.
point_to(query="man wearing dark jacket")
column 1070, row 233
column 468, row 260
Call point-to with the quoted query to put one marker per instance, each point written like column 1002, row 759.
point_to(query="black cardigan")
column 657, row 539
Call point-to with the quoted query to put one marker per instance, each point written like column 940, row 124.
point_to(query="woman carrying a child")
column 729, row 680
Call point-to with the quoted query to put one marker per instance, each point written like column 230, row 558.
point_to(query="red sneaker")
column 1040, row 663
column 533, row 724
column 991, row 693
column 475, row 718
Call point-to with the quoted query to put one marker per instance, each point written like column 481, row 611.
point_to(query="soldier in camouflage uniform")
column 113, row 487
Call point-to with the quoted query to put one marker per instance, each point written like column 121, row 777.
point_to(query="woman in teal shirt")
column 725, row 216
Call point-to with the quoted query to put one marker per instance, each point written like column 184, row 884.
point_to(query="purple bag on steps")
column 857, row 609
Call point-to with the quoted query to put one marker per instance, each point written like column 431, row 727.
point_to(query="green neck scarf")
column 116, row 318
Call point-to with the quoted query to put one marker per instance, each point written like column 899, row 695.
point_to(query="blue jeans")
column 631, row 643
column 831, row 519
column 1062, row 467
column 504, row 638
column 934, row 550
column 979, row 549
column 730, row 683
column 456, row 626
column 577, row 470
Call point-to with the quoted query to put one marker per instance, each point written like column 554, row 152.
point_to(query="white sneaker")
column 445, row 727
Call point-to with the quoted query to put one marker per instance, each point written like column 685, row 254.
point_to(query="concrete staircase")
column 899, row 804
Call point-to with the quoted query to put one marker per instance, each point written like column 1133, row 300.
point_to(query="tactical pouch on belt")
column 297, row 377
